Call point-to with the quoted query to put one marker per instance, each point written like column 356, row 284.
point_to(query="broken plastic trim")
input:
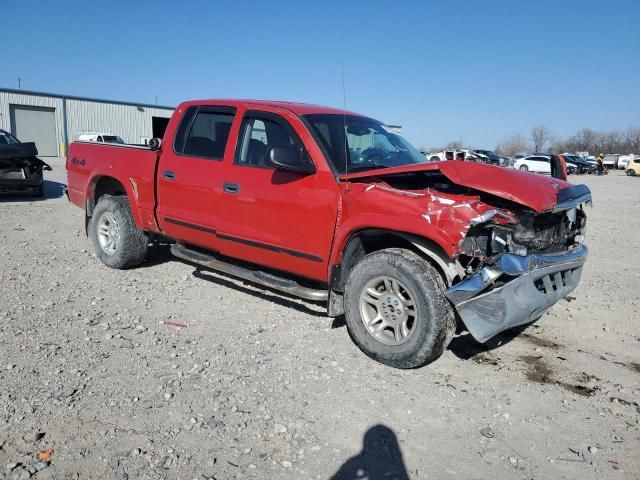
column 540, row 281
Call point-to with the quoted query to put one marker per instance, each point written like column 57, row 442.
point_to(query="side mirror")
column 288, row 158
column 155, row 144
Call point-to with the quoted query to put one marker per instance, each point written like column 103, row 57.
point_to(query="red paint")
column 291, row 222
column 177, row 325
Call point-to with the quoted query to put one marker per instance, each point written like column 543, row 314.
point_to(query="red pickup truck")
column 330, row 206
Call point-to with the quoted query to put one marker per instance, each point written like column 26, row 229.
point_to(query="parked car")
column 506, row 162
column 633, row 166
column 464, row 155
column 100, row 137
column 537, row 163
column 266, row 192
column 610, row 160
column 579, row 165
column 487, row 156
column 21, row 171
column 623, row 161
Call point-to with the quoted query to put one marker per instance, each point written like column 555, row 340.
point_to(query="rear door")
column 190, row 174
column 283, row 220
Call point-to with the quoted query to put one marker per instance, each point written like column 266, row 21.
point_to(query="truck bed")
column 90, row 163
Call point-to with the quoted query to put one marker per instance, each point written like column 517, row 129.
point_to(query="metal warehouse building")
column 53, row 121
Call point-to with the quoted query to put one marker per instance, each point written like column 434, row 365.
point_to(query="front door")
column 189, row 178
column 280, row 219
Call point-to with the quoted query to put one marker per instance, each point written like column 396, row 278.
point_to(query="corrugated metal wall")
column 128, row 121
column 131, row 122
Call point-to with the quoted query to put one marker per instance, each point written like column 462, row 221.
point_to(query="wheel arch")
column 369, row 240
column 102, row 185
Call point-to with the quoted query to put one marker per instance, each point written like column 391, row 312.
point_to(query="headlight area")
column 530, row 233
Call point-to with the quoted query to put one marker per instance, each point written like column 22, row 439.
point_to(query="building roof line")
column 86, row 99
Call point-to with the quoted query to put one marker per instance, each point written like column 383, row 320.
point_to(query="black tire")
column 524, row 168
column 631, row 173
column 132, row 245
column 434, row 325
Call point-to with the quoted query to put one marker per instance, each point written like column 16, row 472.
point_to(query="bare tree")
column 632, row 140
column 512, row 145
column 540, row 136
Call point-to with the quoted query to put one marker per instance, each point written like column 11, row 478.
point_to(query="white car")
column 623, row 161
column 100, row 137
column 534, row 163
column 610, row 160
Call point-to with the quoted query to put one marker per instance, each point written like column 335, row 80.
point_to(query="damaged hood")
column 537, row 192
column 19, row 155
column 18, row 150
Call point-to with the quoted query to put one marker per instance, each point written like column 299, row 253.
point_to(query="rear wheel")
column 395, row 309
column 631, row 172
column 118, row 242
column 524, row 168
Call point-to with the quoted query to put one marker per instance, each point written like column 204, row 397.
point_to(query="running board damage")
column 256, row 276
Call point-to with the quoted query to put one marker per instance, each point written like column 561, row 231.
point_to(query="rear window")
column 204, row 131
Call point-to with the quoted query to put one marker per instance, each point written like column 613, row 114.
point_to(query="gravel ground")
column 166, row 372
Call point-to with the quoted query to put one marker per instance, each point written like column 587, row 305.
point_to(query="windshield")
column 112, row 139
column 7, row 139
column 369, row 144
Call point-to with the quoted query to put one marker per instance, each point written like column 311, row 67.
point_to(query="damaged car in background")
column 330, row 206
column 20, row 168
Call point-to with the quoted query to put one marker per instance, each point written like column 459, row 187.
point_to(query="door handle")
column 169, row 175
column 231, row 188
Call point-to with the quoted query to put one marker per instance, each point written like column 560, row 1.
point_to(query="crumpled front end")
column 515, row 290
column 515, row 271
column 20, row 170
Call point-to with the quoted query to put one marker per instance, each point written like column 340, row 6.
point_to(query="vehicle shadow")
column 159, row 252
column 52, row 190
column 279, row 298
column 380, row 458
column 465, row 347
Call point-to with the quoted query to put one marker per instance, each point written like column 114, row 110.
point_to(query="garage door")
column 35, row 124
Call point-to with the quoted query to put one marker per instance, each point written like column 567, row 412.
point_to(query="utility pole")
column 18, row 83
column 156, row 99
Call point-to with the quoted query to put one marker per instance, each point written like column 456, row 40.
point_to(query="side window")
column 203, row 132
column 260, row 133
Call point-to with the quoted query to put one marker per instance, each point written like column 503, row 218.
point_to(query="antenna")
column 344, row 124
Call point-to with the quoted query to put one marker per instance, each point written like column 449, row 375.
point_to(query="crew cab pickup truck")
column 330, row 206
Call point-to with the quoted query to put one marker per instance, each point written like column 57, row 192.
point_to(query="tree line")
column 541, row 139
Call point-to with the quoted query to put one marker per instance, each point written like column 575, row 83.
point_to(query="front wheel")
column 395, row 309
column 631, row 173
column 524, row 168
column 118, row 242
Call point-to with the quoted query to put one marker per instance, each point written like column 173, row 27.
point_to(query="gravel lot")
column 96, row 365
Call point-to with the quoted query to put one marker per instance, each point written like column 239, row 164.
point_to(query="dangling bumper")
column 515, row 290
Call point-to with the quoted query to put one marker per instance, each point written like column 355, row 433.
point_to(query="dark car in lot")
column 20, row 168
column 579, row 164
column 488, row 156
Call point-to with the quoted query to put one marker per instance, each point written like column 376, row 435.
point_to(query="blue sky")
column 476, row 70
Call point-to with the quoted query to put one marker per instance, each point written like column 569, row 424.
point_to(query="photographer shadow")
column 380, row 458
